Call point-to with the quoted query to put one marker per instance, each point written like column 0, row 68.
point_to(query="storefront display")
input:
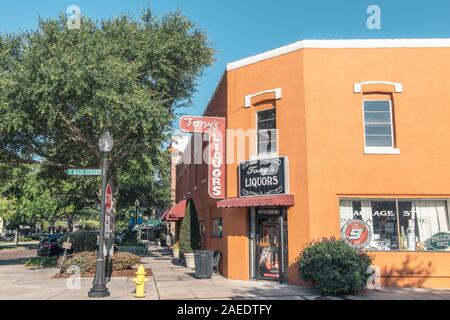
column 268, row 242
column 271, row 244
column 399, row 224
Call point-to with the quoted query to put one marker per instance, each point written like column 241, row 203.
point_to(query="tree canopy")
column 61, row 88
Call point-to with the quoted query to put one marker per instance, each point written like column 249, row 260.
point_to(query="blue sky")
column 241, row 28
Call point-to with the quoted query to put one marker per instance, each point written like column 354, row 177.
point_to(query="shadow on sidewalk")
column 11, row 262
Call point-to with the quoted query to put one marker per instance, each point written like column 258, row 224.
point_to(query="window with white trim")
column 266, row 131
column 396, row 224
column 378, row 124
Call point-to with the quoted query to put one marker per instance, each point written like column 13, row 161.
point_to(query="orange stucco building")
column 362, row 129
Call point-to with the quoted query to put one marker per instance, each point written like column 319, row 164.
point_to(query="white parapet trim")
column 342, row 44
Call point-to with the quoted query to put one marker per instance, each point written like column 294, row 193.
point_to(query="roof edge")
column 341, row 44
column 213, row 96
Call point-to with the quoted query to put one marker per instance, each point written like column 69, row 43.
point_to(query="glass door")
column 271, row 244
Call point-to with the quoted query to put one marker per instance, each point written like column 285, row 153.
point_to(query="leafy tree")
column 11, row 212
column 12, row 180
column 60, row 89
column 190, row 238
column 40, row 199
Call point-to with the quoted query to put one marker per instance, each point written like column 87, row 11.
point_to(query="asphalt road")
column 16, row 256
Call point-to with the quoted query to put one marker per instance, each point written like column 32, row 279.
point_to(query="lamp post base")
column 98, row 293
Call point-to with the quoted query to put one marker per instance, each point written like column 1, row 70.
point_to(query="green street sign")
column 84, row 172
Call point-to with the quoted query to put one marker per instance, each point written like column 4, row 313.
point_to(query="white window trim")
column 380, row 150
column 268, row 155
column 248, row 98
column 357, row 87
column 264, row 156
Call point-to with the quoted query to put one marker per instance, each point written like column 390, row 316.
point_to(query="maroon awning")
column 164, row 216
column 285, row 200
column 176, row 213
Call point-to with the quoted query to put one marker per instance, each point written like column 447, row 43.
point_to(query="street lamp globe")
column 106, row 142
column 137, row 203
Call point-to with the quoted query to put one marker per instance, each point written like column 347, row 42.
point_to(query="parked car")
column 48, row 245
column 9, row 237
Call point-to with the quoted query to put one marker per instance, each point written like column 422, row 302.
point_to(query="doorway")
column 270, row 250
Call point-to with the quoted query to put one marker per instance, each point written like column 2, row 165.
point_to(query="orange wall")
column 321, row 131
column 336, row 163
column 284, row 72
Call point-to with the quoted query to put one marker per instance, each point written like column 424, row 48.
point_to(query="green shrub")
column 124, row 261
column 26, row 239
column 334, row 267
column 81, row 241
column 86, row 261
column 42, row 262
column 190, row 238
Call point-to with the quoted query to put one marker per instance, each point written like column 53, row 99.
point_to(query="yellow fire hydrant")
column 140, row 281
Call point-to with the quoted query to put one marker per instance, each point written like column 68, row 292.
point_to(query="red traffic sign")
column 108, row 199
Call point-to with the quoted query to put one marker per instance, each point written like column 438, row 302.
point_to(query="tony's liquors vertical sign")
column 215, row 128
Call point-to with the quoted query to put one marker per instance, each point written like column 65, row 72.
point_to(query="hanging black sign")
column 263, row 177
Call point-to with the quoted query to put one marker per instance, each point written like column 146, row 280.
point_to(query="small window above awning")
column 285, row 200
column 176, row 213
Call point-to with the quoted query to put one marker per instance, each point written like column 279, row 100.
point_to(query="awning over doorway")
column 164, row 216
column 176, row 213
column 285, row 200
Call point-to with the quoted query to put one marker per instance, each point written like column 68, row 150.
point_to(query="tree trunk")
column 69, row 223
column 17, row 236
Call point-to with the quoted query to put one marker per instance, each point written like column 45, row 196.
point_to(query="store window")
column 217, row 228
column 397, row 224
column 378, row 126
column 202, row 228
column 267, row 133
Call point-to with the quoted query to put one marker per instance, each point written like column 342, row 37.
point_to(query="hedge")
column 334, row 267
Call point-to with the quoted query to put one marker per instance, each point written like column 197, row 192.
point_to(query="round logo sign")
column 356, row 233
column 440, row 241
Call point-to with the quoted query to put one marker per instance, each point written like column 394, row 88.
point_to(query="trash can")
column 203, row 264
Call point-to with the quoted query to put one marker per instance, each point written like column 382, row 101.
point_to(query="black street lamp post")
column 99, row 289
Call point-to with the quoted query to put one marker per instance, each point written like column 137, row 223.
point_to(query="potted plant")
column 176, row 250
column 190, row 239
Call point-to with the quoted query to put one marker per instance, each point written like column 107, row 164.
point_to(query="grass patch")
column 42, row 262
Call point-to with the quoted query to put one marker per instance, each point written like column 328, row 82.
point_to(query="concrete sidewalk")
column 173, row 281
